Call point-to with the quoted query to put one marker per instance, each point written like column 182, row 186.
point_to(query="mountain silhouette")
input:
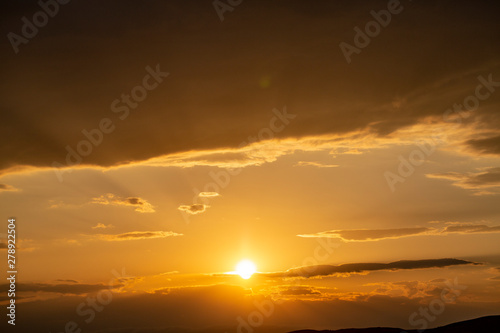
column 483, row 324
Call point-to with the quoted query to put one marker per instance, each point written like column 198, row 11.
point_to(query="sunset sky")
column 349, row 149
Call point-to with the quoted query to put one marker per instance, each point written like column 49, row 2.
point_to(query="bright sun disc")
column 245, row 269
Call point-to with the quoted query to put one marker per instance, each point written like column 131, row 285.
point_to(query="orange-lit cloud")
column 325, row 270
column 316, row 164
column 6, row 187
column 139, row 204
column 193, row 209
column 62, row 288
column 134, row 235
column 208, row 194
column 483, row 182
column 471, row 229
column 361, row 235
column 102, row 226
column 490, row 145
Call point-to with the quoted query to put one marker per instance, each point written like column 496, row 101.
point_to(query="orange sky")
column 149, row 148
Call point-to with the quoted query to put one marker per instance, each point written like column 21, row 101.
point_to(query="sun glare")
column 245, row 269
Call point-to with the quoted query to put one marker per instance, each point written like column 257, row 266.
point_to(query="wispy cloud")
column 102, row 226
column 485, row 182
column 6, row 187
column 366, row 235
column 316, row 164
column 489, row 145
column 208, row 194
column 361, row 235
column 470, row 229
column 139, row 204
column 62, row 288
column 134, row 235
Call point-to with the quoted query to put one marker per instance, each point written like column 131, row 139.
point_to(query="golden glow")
column 245, row 269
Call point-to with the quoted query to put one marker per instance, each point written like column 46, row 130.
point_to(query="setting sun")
column 245, row 269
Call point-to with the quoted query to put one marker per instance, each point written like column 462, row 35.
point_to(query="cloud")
column 316, row 164
column 136, row 235
column 361, row 235
column 299, row 290
column 76, row 289
column 208, row 194
column 482, row 183
column 470, row 229
column 348, row 269
column 182, row 126
column 139, row 204
column 193, row 209
column 364, row 235
column 68, row 281
column 102, row 226
column 489, row 145
column 216, row 307
column 6, row 187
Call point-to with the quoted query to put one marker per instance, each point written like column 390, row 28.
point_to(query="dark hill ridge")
column 483, row 324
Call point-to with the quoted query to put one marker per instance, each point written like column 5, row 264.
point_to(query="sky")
column 349, row 149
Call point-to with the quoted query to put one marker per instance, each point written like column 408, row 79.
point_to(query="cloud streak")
column 348, row 269
column 367, row 235
column 361, row 235
column 140, row 205
column 6, row 188
column 135, row 235
column 63, row 288
column 482, row 183
column 316, row 164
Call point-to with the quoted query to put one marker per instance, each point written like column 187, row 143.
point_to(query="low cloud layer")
column 62, row 288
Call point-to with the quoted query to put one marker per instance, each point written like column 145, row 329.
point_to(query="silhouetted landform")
column 483, row 324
